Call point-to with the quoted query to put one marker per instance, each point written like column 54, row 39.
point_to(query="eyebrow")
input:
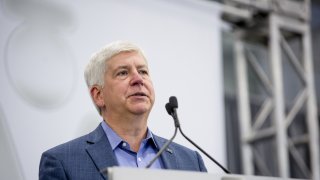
column 126, row 67
column 122, row 67
column 142, row 66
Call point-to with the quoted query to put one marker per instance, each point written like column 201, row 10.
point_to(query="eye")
column 143, row 72
column 122, row 73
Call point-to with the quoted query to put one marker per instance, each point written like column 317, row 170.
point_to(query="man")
column 119, row 82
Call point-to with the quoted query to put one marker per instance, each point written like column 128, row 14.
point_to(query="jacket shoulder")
column 76, row 145
column 68, row 160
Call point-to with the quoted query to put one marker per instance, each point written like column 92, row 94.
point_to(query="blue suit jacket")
column 85, row 158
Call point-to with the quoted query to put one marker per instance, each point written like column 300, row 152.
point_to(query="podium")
column 122, row 173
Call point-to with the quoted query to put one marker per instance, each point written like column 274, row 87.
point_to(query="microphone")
column 171, row 108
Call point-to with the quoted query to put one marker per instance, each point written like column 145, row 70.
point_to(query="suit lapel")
column 168, row 157
column 100, row 151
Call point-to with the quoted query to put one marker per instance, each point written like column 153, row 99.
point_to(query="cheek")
column 116, row 88
column 151, row 89
column 121, row 91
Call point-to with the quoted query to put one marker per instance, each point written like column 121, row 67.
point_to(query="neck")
column 132, row 129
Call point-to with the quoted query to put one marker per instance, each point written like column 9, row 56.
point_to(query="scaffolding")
column 273, row 23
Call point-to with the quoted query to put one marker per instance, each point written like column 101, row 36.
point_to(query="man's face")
column 128, row 87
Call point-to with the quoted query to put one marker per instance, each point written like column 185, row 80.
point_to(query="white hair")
column 97, row 66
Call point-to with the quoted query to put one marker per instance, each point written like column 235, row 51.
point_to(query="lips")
column 141, row 94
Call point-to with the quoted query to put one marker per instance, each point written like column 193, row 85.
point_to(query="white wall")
column 45, row 46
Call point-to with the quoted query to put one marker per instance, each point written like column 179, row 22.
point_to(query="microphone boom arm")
column 205, row 153
column 171, row 108
column 174, row 114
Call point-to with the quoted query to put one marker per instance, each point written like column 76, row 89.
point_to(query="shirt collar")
column 115, row 139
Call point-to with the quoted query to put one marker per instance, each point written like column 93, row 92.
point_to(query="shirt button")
column 124, row 144
column 139, row 159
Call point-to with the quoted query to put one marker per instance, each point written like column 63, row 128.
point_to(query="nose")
column 137, row 79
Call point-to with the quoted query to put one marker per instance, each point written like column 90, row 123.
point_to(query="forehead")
column 127, row 58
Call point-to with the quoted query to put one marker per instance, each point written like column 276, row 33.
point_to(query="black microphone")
column 171, row 108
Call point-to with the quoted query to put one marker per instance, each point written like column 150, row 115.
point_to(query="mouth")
column 139, row 94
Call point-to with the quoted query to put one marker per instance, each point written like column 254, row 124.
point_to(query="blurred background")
column 239, row 97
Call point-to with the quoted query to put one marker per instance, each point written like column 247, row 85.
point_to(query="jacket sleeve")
column 51, row 168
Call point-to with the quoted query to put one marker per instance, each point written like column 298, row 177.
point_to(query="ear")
column 97, row 96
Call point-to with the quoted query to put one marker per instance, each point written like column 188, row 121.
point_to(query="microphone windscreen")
column 169, row 108
column 173, row 101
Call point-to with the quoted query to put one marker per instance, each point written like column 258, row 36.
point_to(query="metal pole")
column 279, row 110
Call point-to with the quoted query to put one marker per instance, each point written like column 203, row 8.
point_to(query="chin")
column 140, row 110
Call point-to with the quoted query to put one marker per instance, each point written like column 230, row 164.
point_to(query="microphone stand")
column 177, row 123
column 171, row 108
